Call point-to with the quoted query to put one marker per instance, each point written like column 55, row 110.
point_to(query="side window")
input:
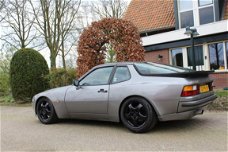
column 97, row 77
column 121, row 74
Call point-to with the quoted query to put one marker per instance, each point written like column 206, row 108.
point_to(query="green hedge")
column 61, row 77
column 28, row 70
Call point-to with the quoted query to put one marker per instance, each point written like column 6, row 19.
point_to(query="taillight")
column 190, row 90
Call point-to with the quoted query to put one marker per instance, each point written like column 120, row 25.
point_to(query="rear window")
column 153, row 68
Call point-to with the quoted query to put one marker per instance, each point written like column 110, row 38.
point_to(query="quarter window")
column 97, row 77
column 121, row 74
column 153, row 68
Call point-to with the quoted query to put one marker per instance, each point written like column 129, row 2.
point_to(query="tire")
column 137, row 115
column 46, row 112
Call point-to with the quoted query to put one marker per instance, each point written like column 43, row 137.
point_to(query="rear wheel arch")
column 151, row 104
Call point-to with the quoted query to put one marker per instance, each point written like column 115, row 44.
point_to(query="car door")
column 91, row 96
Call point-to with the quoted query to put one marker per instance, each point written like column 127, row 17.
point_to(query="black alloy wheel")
column 138, row 115
column 45, row 111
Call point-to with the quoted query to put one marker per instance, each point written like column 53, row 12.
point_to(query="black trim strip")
column 217, row 14
column 195, row 74
column 187, row 42
column 199, row 102
column 176, row 14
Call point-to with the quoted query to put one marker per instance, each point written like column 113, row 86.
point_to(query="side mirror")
column 76, row 83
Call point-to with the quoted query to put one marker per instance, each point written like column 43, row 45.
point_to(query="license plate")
column 204, row 88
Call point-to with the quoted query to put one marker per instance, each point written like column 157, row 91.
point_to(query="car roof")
column 117, row 64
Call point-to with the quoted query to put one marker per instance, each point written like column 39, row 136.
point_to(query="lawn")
column 221, row 103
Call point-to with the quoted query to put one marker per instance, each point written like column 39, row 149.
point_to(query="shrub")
column 94, row 42
column 28, row 69
column 4, row 83
column 61, row 77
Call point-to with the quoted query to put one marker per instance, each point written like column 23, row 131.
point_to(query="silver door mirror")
column 76, row 83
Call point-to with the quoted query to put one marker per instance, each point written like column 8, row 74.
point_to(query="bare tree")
column 110, row 8
column 17, row 24
column 5, row 58
column 55, row 19
column 68, row 30
column 2, row 4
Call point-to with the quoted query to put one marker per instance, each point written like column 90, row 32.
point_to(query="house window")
column 177, row 57
column 205, row 2
column 186, row 13
column 198, row 55
column 195, row 12
column 217, row 56
column 206, row 11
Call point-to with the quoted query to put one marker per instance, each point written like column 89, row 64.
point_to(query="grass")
column 7, row 100
column 221, row 103
column 221, row 93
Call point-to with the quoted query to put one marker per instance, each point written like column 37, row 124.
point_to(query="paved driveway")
column 21, row 131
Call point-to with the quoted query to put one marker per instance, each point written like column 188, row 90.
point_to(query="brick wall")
column 226, row 10
column 220, row 80
column 153, row 56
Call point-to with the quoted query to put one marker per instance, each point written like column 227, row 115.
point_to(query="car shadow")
column 89, row 122
column 184, row 125
column 168, row 126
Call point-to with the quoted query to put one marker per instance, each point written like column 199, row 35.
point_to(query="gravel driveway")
column 21, row 131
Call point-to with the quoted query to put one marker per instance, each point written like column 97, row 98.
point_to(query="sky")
column 45, row 52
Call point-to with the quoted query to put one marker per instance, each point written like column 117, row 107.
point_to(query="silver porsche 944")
column 138, row 94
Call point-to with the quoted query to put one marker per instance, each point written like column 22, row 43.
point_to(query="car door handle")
column 102, row 91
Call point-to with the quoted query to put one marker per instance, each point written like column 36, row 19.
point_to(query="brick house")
column 162, row 24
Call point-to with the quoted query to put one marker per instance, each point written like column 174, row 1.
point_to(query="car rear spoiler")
column 190, row 74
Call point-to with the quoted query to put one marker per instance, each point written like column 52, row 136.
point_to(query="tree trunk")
column 64, row 62
column 53, row 62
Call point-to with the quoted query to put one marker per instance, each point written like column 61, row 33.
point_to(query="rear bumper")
column 190, row 106
column 196, row 102
column 181, row 115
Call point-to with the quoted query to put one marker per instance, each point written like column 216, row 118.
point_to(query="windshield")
column 153, row 68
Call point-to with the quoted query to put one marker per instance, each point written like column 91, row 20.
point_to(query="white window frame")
column 184, row 55
column 198, row 68
column 206, row 56
column 224, row 53
column 195, row 10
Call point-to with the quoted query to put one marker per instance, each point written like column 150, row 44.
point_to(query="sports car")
column 138, row 94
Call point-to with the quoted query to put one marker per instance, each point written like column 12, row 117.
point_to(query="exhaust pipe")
column 199, row 112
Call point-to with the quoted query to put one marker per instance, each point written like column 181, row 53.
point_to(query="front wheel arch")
column 47, row 114
column 156, row 112
column 42, row 97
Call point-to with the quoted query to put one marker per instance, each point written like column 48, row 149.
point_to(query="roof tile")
column 150, row 15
